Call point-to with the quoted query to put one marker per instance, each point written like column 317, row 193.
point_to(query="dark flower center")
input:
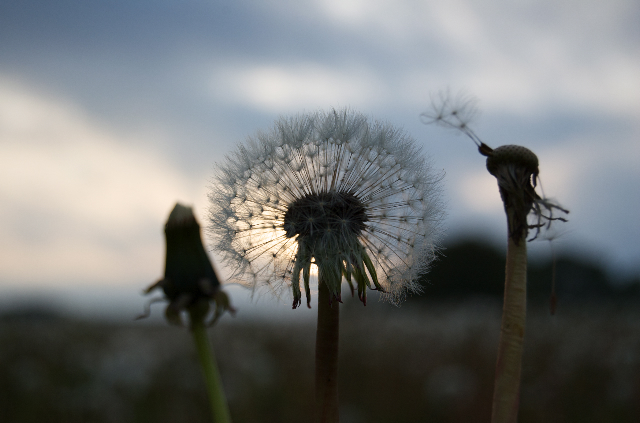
column 318, row 214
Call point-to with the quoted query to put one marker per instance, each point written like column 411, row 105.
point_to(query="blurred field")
column 428, row 362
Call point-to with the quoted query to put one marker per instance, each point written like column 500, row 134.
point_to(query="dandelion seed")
column 453, row 112
column 331, row 196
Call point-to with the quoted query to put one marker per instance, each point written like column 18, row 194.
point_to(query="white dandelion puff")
column 335, row 190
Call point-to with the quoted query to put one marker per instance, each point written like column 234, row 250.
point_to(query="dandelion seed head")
column 352, row 196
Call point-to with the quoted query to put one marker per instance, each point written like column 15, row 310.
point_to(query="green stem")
column 327, row 335
column 217, row 399
column 506, row 394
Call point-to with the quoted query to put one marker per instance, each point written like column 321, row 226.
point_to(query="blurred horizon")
column 467, row 270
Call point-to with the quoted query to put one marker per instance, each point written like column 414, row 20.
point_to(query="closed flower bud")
column 190, row 282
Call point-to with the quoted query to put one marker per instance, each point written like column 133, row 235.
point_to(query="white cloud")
column 281, row 88
column 80, row 203
column 520, row 57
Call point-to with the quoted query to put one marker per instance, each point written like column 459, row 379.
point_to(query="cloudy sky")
column 110, row 112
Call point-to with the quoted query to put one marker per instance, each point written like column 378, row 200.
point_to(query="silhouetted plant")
column 351, row 197
column 190, row 284
column 516, row 169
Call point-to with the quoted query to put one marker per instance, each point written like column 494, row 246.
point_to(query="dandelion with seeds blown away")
column 354, row 197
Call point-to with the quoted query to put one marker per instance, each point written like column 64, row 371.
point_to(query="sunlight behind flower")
column 352, row 196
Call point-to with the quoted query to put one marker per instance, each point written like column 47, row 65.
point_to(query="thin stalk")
column 506, row 394
column 327, row 335
column 217, row 399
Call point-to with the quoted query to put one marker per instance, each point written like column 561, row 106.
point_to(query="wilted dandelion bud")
column 331, row 193
column 515, row 167
column 190, row 282
column 516, row 170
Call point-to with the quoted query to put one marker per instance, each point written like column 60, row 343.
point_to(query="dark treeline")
column 474, row 268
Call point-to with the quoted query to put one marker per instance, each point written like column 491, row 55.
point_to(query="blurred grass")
column 426, row 362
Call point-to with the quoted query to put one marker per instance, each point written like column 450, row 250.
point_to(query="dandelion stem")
column 327, row 335
column 217, row 399
column 506, row 394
